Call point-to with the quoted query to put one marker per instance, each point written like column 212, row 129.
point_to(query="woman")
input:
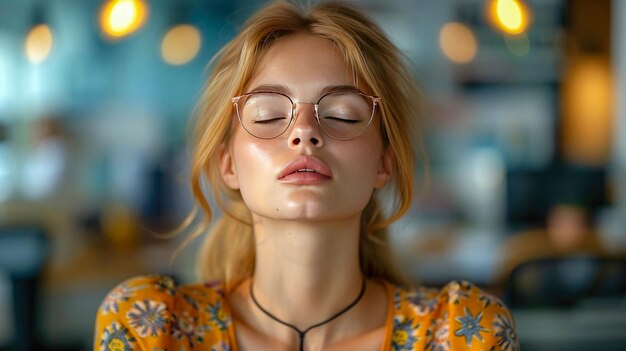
column 307, row 114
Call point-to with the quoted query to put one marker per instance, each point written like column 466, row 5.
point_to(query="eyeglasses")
column 340, row 115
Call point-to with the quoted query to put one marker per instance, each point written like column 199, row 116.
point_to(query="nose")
column 305, row 130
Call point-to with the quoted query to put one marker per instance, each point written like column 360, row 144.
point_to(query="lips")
column 305, row 169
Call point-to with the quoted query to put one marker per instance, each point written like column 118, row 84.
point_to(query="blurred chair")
column 566, row 233
column 566, row 281
column 23, row 253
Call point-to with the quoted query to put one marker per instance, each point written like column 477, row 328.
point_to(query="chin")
column 306, row 211
column 297, row 212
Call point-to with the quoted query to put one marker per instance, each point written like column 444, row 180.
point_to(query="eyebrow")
column 278, row 88
column 339, row 88
column 275, row 88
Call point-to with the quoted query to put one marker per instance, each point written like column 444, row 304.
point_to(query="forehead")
column 304, row 63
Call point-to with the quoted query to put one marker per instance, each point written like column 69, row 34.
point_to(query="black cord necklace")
column 301, row 333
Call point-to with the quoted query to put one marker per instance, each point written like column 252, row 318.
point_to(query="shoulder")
column 455, row 317
column 152, row 312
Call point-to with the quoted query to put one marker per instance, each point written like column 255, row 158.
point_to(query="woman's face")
column 336, row 178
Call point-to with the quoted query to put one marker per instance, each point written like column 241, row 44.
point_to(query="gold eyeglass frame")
column 375, row 102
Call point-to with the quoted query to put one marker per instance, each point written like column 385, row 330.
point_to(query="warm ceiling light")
column 120, row 18
column 587, row 105
column 38, row 43
column 458, row 42
column 510, row 16
column 181, row 44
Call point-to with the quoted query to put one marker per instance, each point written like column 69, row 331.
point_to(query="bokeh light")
column 587, row 110
column 120, row 18
column 38, row 44
column 181, row 44
column 458, row 42
column 518, row 44
column 510, row 16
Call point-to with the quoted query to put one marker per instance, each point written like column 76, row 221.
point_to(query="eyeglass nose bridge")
column 294, row 115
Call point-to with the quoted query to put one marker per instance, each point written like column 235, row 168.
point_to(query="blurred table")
column 435, row 258
column 582, row 328
column 72, row 289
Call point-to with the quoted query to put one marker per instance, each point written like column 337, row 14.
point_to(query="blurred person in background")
column 567, row 232
column 307, row 115
column 39, row 176
column 42, row 168
column 45, row 165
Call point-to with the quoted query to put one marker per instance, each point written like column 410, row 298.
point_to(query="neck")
column 306, row 272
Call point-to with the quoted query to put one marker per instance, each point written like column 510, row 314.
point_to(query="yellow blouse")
column 151, row 313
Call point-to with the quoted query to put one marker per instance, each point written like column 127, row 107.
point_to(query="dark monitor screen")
column 531, row 193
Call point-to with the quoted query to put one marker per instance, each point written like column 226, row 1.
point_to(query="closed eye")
column 342, row 120
column 269, row 121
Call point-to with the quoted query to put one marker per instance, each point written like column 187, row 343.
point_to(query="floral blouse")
column 151, row 313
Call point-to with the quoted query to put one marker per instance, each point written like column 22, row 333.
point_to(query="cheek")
column 253, row 164
column 248, row 159
column 361, row 170
column 361, row 161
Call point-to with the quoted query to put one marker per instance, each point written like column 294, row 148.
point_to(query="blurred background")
column 524, row 128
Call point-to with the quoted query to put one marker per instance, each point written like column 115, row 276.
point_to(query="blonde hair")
column 228, row 253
